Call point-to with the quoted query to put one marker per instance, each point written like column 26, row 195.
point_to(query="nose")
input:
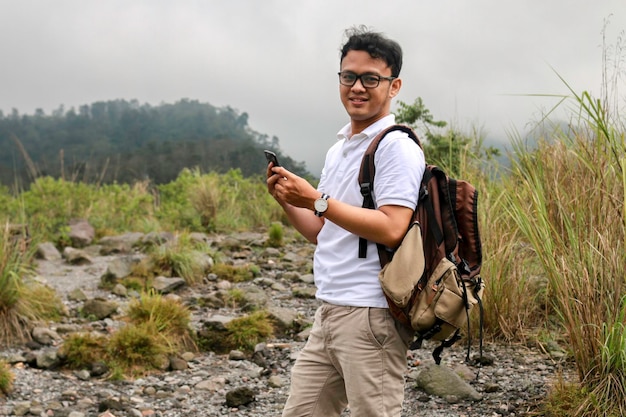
column 358, row 84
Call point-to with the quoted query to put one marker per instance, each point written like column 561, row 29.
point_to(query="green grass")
column 247, row 331
column 23, row 301
column 155, row 328
column 6, row 378
column 80, row 350
column 169, row 317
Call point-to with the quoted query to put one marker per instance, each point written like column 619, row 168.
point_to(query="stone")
column 48, row 252
column 81, row 233
column 45, row 336
column 119, row 244
column 178, row 363
column 165, row 285
column 443, row 382
column 100, row 309
column 120, row 290
column 75, row 256
column 77, row 295
column 254, row 299
column 48, row 359
column 239, row 396
column 283, row 317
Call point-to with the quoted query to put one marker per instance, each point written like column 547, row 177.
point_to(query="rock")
column 283, row 317
column 48, row 359
column 224, row 285
column 83, row 375
column 166, row 285
column 307, row 279
column 48, row 251
column 120, row 290
column 214, row 384
column 77, row 295
column 275, row 381
column 45, row 336
column 239, row 396
column 76, row 256
column 119, row 244
column 98, row 369
column 236, row 355
column 443, row 382
column 254, row 298
column 100, row 309
column 81, row 233
column 177, row 363
column 218, row 322
column 304, row 292
column 119, row 268
column 157, row 238
column 21, row 408
column 110, row 404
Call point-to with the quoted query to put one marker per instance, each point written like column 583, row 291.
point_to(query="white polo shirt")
column 341, row 277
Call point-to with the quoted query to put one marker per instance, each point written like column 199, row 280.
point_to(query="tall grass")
column 567, row 199
column 23, row 301
column 511, row 297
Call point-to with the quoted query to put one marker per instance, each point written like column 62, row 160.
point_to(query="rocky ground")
column 236, row 384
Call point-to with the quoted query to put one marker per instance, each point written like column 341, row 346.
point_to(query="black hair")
column 361, row 38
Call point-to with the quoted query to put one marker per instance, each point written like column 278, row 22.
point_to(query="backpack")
column 432, row 279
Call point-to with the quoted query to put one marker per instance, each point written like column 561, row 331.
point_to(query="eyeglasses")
column 348, row 79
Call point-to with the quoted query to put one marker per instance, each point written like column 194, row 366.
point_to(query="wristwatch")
column 321, row 205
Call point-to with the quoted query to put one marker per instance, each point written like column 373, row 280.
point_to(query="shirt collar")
column 370, row 131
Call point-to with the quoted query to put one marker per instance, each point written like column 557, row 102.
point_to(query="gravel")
column 513, row 385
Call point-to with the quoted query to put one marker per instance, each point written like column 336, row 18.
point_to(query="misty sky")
column 474, row 63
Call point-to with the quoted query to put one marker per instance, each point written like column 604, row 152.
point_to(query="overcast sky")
column 474, row 63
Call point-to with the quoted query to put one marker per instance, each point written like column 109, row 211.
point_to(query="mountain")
column 123, row 141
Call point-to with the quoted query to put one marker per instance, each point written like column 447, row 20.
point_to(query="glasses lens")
column 370, row 81
column 347, row 78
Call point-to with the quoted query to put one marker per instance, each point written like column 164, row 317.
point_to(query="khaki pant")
column 355, row 356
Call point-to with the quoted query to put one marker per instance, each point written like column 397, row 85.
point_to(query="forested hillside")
column 124, row 141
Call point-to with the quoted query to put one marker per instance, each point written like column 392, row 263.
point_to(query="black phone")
column 271, row 157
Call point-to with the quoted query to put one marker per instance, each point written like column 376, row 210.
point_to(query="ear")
column 394, row 89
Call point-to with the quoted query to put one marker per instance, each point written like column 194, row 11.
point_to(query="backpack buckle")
column 366, row 189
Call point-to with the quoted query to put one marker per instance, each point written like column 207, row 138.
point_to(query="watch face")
column 321, row 205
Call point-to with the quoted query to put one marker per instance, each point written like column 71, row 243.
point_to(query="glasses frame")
column 360, row 77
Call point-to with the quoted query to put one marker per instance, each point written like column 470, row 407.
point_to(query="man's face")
column 367, row 105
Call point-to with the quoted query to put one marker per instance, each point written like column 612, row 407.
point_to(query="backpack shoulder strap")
column 366, row 182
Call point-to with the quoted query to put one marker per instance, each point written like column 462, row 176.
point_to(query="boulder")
column 443, row 382
column 81, row 233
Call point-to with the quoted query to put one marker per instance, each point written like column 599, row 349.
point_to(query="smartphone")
column 271, row 157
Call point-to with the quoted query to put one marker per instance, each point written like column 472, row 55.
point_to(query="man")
column 356, row 352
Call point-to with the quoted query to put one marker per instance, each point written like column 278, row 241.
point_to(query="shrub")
column 234, row 297
column 23, row 301
column 246, row 332
column 233, row 273
column 169, row 317
column 80, row 350
column 6, row 378
column 182, row 258
column 276, row 235
column 138, row 348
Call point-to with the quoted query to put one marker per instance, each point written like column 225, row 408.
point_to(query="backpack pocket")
column 440, row 307
column 400, row 276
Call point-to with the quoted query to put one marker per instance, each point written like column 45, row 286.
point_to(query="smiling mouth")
column 358, row 100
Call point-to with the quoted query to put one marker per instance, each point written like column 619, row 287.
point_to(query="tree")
column 443, row 148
